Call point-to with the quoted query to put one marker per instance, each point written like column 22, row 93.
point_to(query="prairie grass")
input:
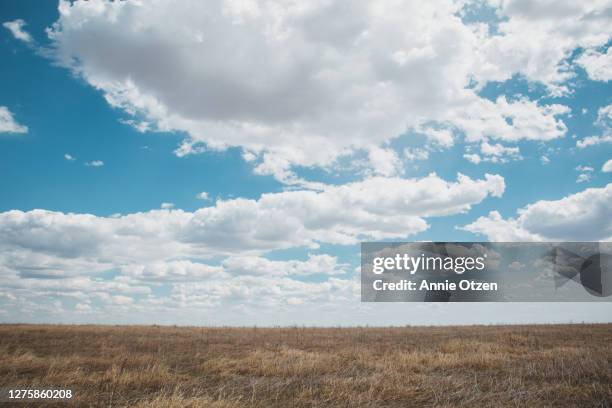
column 152, row 366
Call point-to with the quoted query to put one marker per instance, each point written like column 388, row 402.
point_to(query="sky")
column 219, row 162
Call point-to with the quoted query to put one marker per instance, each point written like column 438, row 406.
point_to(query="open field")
column 565, row 365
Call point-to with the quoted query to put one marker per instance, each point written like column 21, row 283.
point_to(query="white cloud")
column 122, row 300
column 583, row 178
column 173, row 270
column 496, row 228
column 375, row 208
column 95, row 163
column 330, row 78
column 202, row 196
column 604, row 121
column 264, row 292
column 384, row 162
column 498, row 150
column 604, row 116
column 16, row 28
column 191, row 287
column 472, row 157
column 586, row 173
column 213, row 256
column 584, row 169
column 442, row 137
column 598, row 65
column 415, row 154
column 535, row 39
column 8, row 123
column 584, row 216
column 166, row 206
column 69, row 157
column 593, row 141
column 607, row 167
column 255, row 265
column 140, row 126
column 493, row 153
column 82, row 307
column 544, row 160
column 497, row 153
column 510, row 121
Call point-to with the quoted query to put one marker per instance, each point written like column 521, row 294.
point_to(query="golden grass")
column 513, row 366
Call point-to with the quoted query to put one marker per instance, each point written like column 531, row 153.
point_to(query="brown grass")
column 513, row 366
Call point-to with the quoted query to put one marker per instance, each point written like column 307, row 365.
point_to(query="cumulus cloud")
column 492, row 153
column 95, row 163
column 584, row 216
column 263, row 291
column 583, row 178
column 593, row 141
column 232, row 266
column 256, row 265
column 598, row 65
column 472, row 158
column 8, row 124
column 202, row 196
column 510, row 120
column 585, row 169
column 190, row 286
column 140, row 126
column 442, row 137
column 82, row 307
column 498, row 153
column 216, row 255
column 384, row 162
column 604, row 121
column 607, row 167
column 585, row 173
column 69, row 157
column 416, row 153
column 16, row 28
column 330, row 78
column 57, row 244
column 498, row 150
column 173, row 270
column 536, row 39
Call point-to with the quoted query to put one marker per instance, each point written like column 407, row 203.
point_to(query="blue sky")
column 314, row 123
column 65, row 115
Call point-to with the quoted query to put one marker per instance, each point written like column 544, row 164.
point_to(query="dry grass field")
column 513, row 366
